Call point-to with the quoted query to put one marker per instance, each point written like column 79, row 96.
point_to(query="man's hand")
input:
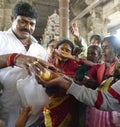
column 29, row 62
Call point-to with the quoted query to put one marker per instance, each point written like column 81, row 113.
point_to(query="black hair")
column 50, row 42
column 62, row 41
column 97, row 48
column 114, row 42
column 24, row 9
column 96, row 37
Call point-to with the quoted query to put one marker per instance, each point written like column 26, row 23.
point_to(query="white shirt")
column 10, row 101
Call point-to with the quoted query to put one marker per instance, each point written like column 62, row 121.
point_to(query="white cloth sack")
column 32, row 93
column 10, row 100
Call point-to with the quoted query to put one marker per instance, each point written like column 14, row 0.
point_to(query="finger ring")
column 29, row 65
column 38, row 60
column 35, row 62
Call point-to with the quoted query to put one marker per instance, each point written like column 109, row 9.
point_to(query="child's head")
column 65, row 45
column 94, row 53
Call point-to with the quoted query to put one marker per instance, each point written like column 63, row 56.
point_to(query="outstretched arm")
column 104, row 100
column 23, row 61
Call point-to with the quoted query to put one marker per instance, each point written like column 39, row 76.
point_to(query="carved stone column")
column 96, row 23
column 64, row 18
column 1, row 15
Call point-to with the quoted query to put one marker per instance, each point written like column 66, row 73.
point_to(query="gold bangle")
column 30, row 65
column 35, row 62
column 38, row 60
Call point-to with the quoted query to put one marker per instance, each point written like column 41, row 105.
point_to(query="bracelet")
column 11, row 59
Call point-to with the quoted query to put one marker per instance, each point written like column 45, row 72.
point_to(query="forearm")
column 3, row 60
column 91, row 98
column 8, row 59
column 89, row 63
column 78, row 41
column 82, row 94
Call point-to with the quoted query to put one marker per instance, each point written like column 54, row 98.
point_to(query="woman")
column 110, row 50
column 50, row 50
column 60, row 110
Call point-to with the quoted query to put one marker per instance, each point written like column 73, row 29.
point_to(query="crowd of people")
column 84, row 85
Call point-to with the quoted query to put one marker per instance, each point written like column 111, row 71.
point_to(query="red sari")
column 63, row 109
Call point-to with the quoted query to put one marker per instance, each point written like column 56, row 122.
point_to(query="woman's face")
column 65, row 47
column 92, row 55
column 108, row 54
column 50, row 49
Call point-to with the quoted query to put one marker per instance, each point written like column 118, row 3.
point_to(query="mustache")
column 25, row 30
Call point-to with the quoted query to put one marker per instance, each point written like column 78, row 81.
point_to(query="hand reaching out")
column 57, row 80
column 27, row 62
column 24, row 114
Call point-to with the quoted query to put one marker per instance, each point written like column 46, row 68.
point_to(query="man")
column 23, row 61
column 18, row 40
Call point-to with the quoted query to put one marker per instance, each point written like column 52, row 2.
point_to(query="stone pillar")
column 2, row 15
column 64, row 18
column 96, row 23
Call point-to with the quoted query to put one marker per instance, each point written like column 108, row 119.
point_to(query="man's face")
column 23, row 26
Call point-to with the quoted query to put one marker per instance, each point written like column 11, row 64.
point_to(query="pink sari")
column 96, row 117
